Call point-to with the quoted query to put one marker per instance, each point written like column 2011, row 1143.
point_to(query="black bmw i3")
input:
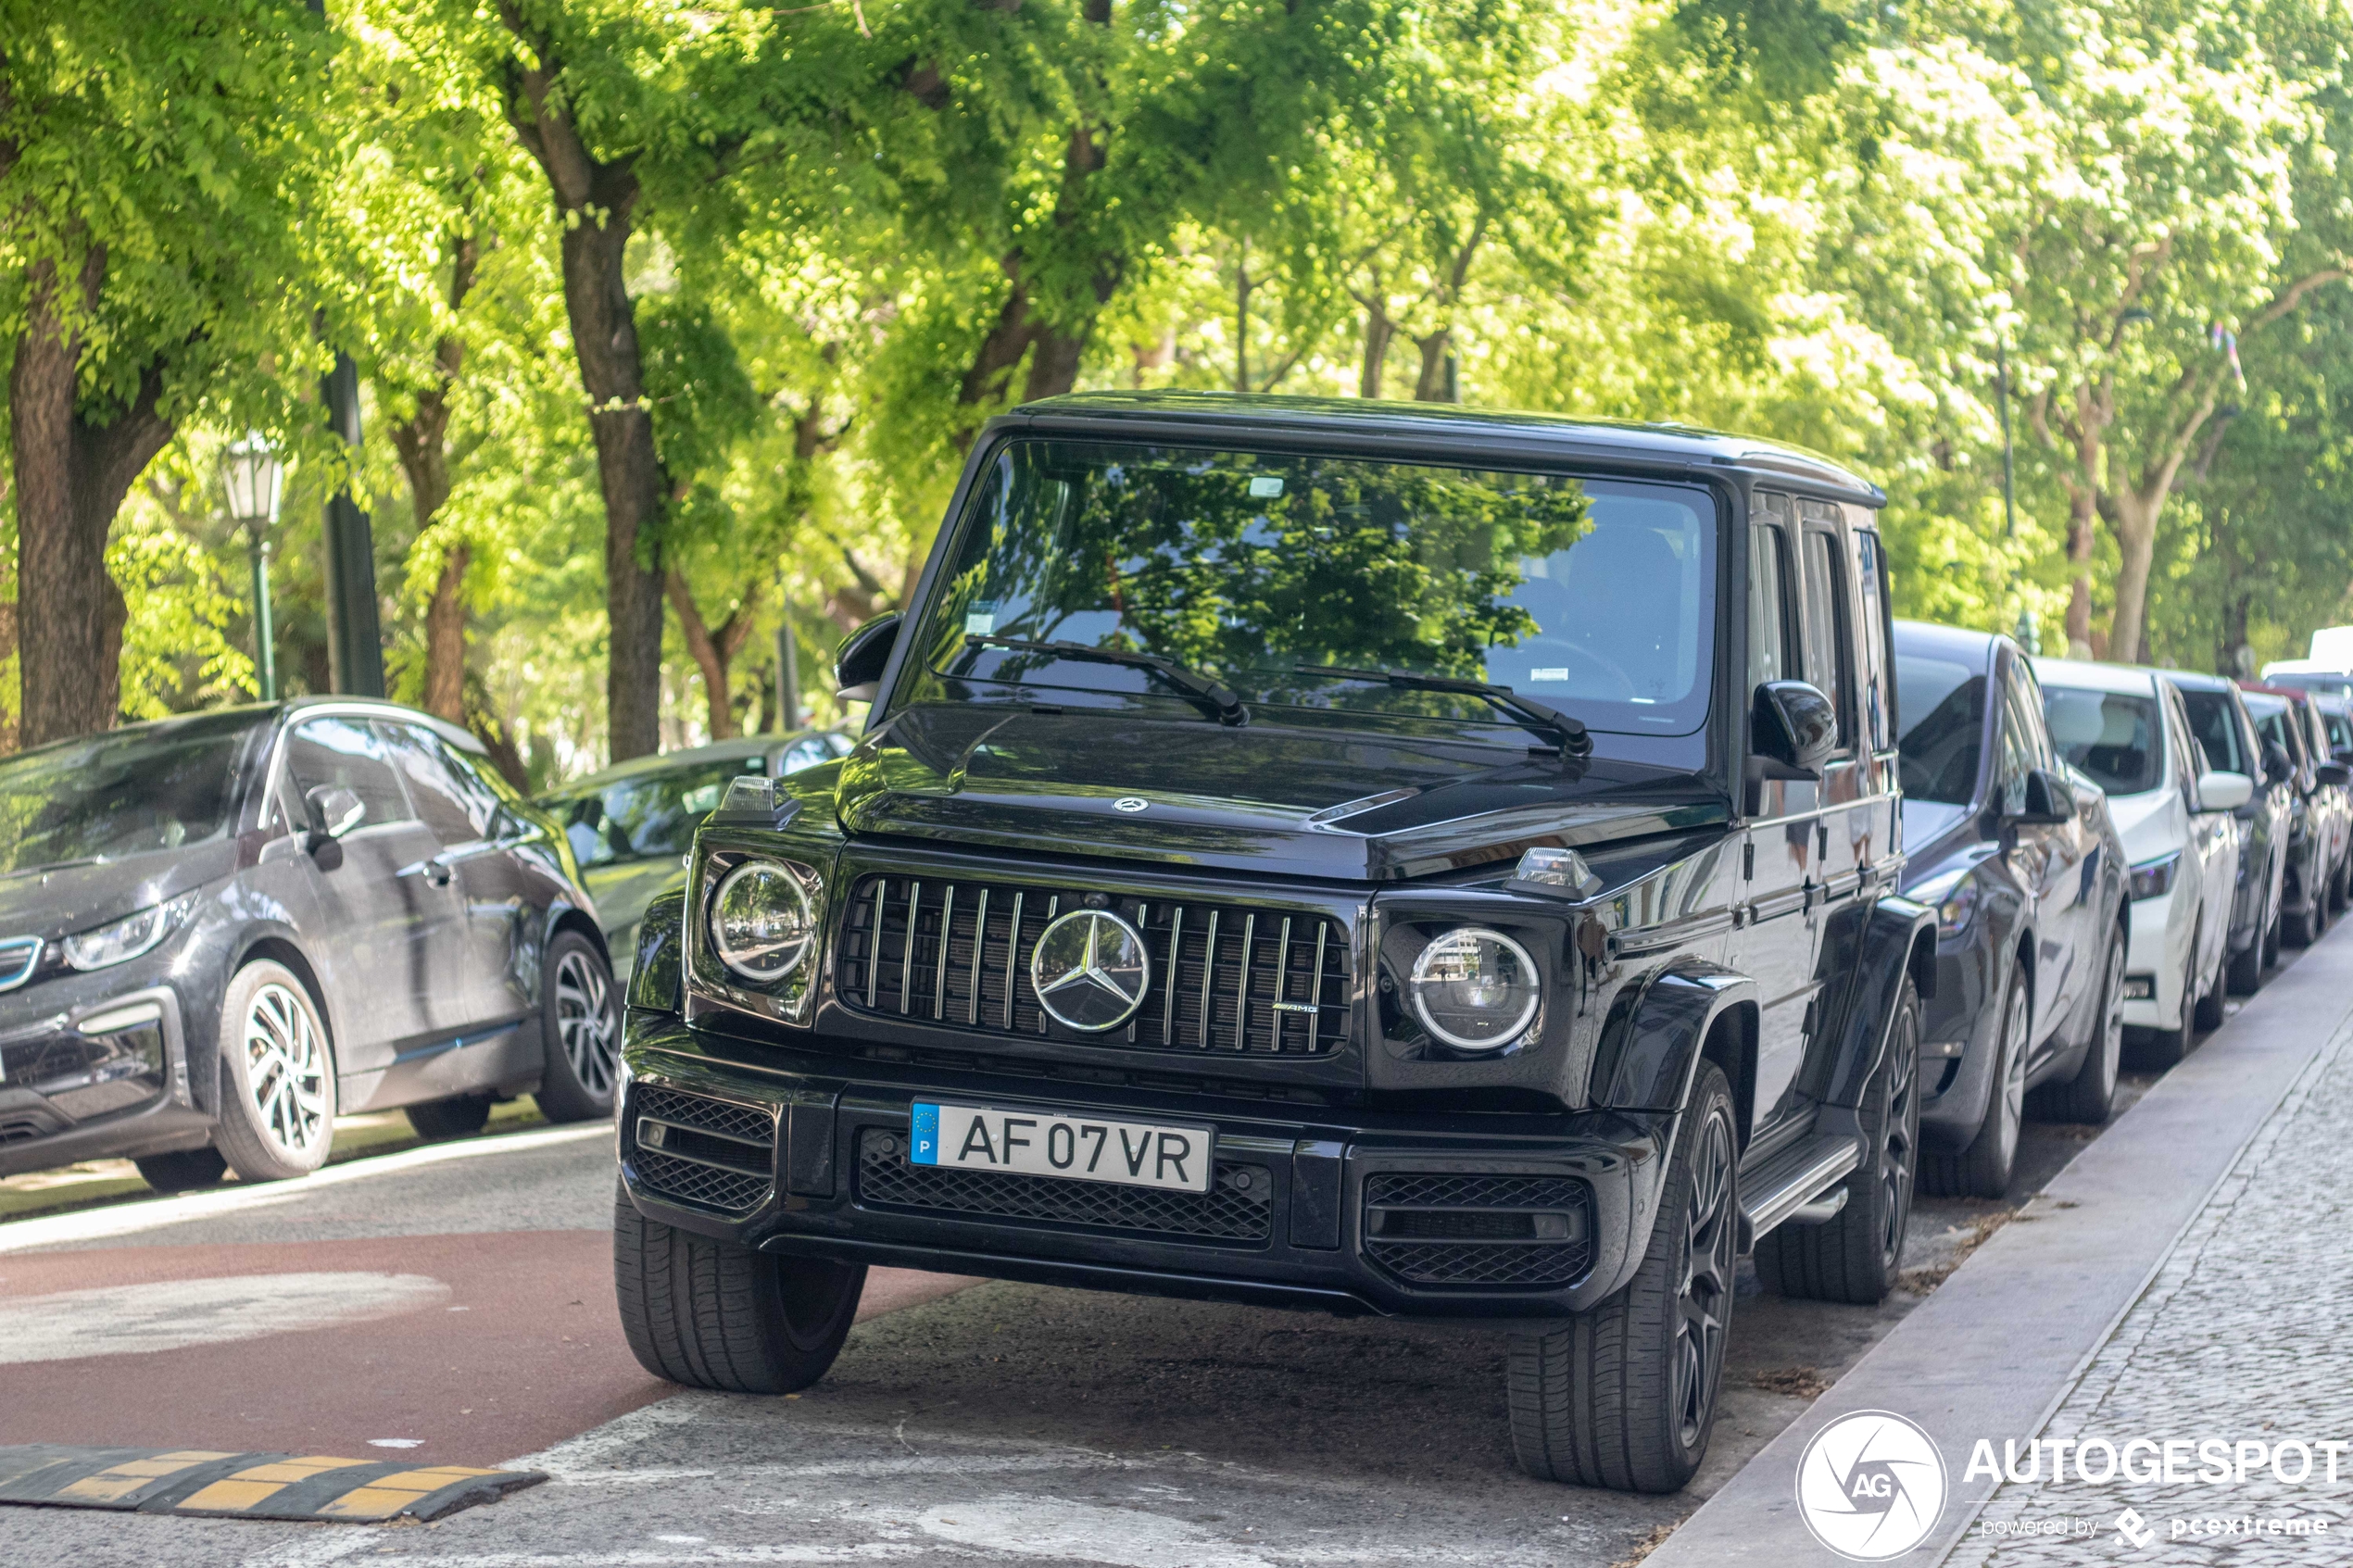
column 218, row 932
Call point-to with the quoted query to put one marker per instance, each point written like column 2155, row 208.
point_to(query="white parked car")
column 2126, row 729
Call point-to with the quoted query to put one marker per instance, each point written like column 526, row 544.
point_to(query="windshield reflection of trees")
column 1244, row 566
column 122, row 793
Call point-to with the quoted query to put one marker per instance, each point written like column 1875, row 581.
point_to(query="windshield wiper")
column 1542, row 718
column 1213, row 697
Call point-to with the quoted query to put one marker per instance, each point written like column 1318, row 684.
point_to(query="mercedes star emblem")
column 1090, row 969
column 1130, row 803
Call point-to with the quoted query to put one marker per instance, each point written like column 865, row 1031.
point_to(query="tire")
column 1857, row 1255
column 2090, row 1096
column 277, row 1076
column 714, row 1315
column 1983, row 1170
column 2244, row 971
column 182, row 1170
column 2303, row 930
column 454, row 1118
column 2210, row 1010
column 1625, row 1396
column 580, row 1021
column 2271, row 941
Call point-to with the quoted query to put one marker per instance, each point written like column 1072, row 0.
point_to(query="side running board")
column 1794, row 1185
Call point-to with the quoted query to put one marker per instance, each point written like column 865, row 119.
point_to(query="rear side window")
column 347, row 754
column 2216, row 724
column 1768, row 605
column 1870, row 565
column 1827, row 619
column 2112, row 736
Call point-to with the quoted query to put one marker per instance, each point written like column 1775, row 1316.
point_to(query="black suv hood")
column 1324, row 802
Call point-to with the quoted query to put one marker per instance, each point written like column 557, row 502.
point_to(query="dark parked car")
column 629, row 825
column 2319, row 821
column 2220, row 720
column 222, row 931
column 2017, row 854
column 1366, row 858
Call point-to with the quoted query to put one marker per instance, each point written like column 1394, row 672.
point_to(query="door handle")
column 436, row 872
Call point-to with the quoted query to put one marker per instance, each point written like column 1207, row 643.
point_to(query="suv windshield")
column 123, row 793
column 640, row 818
column 2110, row 735
column 1939, row 747
column 1595, row 597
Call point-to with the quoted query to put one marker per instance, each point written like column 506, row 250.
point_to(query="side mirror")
column 2048, row 800
column 2336, row 775
column 2278, row 766
column 332, row 811
column 2224, row 792
column 858, row 667
column 1793, row 730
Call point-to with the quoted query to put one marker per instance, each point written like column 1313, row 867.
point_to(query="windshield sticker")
column 1266, row 486
column 980, row 617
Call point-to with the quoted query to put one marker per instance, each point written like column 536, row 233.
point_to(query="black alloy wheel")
column 1856, row 1256
column 1705, row 1304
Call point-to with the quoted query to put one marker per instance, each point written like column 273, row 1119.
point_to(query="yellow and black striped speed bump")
column 198, row 1481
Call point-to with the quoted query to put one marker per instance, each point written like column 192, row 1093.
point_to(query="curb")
column 1994, row 1351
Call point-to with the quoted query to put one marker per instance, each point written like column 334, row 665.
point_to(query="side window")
column 2026, row 703
column 441, row 799
column 2020, row 736
column 1767, row 604
column 485, row 794
column 1876, row 679
column 348, row 754
column 1828, row 617
column 2189, row 758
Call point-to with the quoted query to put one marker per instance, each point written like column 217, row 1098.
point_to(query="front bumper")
column 1287, row 1224
column 2157, row 960
column 94, row 1066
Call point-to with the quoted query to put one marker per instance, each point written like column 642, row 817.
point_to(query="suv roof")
column 1381, row 428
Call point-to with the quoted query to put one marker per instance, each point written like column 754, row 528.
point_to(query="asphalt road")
column 454, row 1304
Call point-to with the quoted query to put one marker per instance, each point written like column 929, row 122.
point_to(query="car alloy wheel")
column 1900, row 1161
column 1702, row 1306
column 2012, row 1109
column 585, row 1014
column 285, row 1069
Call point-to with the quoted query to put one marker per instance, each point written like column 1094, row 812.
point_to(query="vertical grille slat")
column 902, row 955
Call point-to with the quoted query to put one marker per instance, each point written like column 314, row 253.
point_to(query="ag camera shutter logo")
column 1870, row 1485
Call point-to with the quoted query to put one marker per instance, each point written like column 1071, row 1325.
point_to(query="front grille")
column 1478, row 1230
column 1224, row 978
column 1237, row 1207
column 691, row 1149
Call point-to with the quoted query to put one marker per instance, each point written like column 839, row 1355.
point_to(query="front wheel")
column 1625, row 1396
column 1858, row 1255
column 1983, row 1170
column 2089, row 1095
column 581, row 1023
column 277, row 1076
column 714, row 1315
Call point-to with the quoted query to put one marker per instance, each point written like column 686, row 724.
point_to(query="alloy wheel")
column 1703, row 1305
column 286, row 1068
column 2015, row 1030
column 585, row 1018
column 1900, row 1152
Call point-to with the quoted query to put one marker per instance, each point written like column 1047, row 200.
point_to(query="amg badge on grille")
column 1090, row 969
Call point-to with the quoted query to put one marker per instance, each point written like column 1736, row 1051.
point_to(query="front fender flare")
column 1651, row 1041
column 1896, row 940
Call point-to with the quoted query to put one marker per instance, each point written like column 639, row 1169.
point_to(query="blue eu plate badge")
column 924, row 1145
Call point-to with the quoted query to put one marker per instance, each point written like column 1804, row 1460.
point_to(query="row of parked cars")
column 2226, row 805
column 1491, row 871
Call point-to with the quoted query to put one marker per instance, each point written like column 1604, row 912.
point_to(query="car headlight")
column 1476, row 989
column 761, row 926
column 1953, row 894
column 130, row 936
column 2154, row 879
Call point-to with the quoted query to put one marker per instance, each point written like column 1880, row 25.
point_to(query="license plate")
column 1044, row 1143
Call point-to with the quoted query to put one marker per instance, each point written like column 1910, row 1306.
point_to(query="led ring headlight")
column 1475, row 988
column 760, row 924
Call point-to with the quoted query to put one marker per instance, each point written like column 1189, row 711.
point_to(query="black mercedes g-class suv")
column 1365, row 857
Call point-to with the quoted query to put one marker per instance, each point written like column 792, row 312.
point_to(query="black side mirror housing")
column 858, row 667
column 2049, row 801
column 1792, row 731
column 2278, row 766
column 2335, row 775
column 329, row 812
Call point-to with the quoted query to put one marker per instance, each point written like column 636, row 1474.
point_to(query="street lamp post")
column 252, row 474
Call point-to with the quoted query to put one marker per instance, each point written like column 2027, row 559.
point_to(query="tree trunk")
column 1378, row 331
column 423, row 442
column 446, row 638
column 596, row 200
column 714, row 650
column 1430, row 385
column 72, row 475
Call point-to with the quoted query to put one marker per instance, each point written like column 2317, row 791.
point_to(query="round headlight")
column 760, row 924
column 1476, row 989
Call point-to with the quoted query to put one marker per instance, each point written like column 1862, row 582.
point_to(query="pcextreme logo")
column 1870, row 1485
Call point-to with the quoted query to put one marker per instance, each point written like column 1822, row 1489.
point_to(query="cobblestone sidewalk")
column 2245, row 1333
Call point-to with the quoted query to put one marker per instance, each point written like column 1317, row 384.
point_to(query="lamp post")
column 252, row 474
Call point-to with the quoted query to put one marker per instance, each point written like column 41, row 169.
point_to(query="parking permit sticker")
column 1266, row 486
column 980, row 619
